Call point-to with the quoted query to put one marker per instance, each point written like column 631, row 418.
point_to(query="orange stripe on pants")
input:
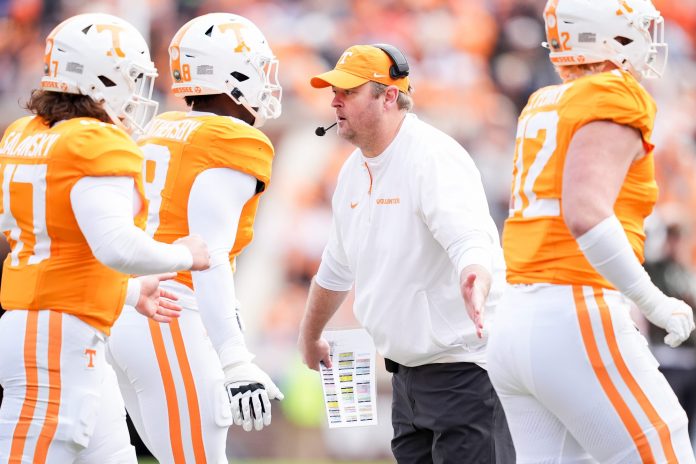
column 169, row 393
column 600, row 370
column 191, row 396
column 645, row 404
column 55, row 340
column 31, row 397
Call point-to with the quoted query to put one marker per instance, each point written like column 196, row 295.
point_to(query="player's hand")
column 474, row 294
column 199, row 251
column 676, row 317
column 250, row 390
column 314, row 352
column 155, row 302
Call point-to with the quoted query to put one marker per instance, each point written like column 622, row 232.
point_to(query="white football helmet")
column 629, row 33
column 105, row 58
column 223, row 53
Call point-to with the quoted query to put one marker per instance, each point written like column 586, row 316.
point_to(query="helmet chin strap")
column 116, row 120
column 238, row 97
column 99, row 98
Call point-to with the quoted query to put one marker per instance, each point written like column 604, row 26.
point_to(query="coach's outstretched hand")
column 474, row 284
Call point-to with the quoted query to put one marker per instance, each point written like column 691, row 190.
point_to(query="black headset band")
column 399, row 68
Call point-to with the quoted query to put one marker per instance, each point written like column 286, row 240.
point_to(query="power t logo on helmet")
column 116, row 40
column 630, row 34
column 241, row 46
column 107, row 59
column 248, row 73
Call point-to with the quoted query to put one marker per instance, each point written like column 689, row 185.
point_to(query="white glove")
column 675, row 316
column 250, row 390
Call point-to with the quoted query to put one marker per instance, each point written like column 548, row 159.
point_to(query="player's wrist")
column 234, row 355
column 647, row 297
column 133, row 292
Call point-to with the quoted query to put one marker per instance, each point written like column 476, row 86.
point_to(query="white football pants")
column 173, row 386
column 577, row 381
column 61, row 401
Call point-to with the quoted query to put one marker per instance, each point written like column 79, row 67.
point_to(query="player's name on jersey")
column 33, row 146
column 547, row 97
column 173, row 130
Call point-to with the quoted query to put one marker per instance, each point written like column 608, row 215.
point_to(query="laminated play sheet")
column 349, row 385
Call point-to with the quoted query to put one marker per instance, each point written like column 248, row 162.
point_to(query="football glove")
column 675, row 316
column 250, row 390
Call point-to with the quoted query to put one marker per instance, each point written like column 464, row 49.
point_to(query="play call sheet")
column 349, row 386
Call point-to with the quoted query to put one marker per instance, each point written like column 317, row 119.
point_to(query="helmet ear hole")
column 623, row 40
column 239, row 76
column 106, row 81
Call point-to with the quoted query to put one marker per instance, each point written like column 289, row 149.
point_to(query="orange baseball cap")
column 357, row 65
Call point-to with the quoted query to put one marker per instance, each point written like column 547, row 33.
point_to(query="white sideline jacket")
column 405, row 224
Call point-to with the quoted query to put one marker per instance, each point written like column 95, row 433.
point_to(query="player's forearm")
column 215, row 204
column 608, row 250
column 216, row 299
column 103, row 208
column 322, row 304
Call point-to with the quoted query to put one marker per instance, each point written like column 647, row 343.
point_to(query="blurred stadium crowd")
column 473, row 65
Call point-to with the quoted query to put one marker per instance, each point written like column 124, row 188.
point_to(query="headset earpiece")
column 399, row 68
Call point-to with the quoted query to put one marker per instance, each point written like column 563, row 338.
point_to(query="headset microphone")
column 320, row 131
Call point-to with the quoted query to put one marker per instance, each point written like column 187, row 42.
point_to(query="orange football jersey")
column 51, row 265
column 177, row 148
column 537, row 244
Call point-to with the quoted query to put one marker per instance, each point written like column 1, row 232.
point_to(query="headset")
column 399, row 68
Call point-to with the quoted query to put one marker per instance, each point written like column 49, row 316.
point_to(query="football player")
column 576, row 379
column 205, row 171
column 71, row 185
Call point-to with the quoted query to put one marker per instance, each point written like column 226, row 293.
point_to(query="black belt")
column 391, row 366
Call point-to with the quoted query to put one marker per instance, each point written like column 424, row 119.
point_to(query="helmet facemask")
column 266, row 95
column 132, row 110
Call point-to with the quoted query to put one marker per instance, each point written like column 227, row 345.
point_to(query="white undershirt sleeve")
column 214, row 208
column 132, row 292
column 103, row 208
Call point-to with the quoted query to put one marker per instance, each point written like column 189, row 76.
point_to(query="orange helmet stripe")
column 551, row 20
column 49, row 48
column 174, row 54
